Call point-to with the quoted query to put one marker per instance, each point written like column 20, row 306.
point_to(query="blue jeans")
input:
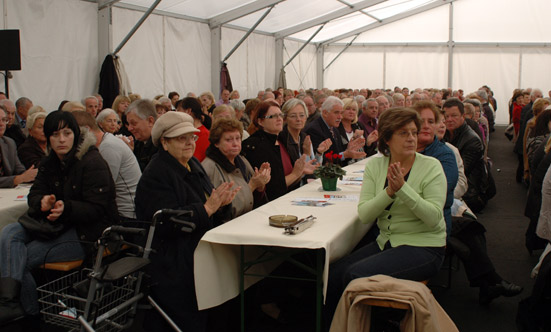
column 403, row 262
column 20, row 254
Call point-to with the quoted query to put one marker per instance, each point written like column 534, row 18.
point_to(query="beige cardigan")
column 425, row 313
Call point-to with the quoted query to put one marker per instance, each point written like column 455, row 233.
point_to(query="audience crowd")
column 428, row 176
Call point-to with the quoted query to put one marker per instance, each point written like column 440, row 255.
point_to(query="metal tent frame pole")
column 136, row 26
column 341, row 52
column 248, row 33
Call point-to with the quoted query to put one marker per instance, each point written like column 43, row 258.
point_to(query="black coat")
column 14, row 132
column 84, row 183
column 165, row 183
column 260, row 147
column 30, row 153
column 319, row 132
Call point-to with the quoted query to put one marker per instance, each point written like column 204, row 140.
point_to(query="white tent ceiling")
column 339, row 16
column 414, row 43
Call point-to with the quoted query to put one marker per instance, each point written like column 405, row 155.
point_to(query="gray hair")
column 237, row 105
column 474, row 102
column 482, row 94
column 373, row 100
column 398, row 96
column 89, row 97
column 33, row 117
column 105, row 113
column 143, row 108
column 331, row 102
column 533, row 93
column 7, row 103
column 359, row 99
column 35, row 109
column 291, row 103
column 164, row 100
column 22, row 102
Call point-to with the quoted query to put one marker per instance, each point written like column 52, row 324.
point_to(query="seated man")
column 141, row 116
column 121, row 161
column 326, row 127
column 12, row 130
column 12, row 171
column 459, row 134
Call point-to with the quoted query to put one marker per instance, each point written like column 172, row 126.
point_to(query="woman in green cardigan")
column 404, row 192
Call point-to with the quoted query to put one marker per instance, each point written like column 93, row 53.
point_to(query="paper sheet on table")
column 348, row 198
column 305, row 201
column 21, row 198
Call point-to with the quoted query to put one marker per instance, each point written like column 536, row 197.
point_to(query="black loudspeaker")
column 10, row 56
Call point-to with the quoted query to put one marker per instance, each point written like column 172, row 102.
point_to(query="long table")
column 13, row 203
column 218, row 257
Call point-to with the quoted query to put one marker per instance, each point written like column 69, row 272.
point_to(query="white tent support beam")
column 391, row 19
column 450, row 47
column 519, row 68
column 160, row 12
column 242, row 11
column 326, row 18
column 136, row 26
column 105, row 33
column 303, row 46
column 319, row 68
column 248, row 33
column 341, row 52
column 215, row 56
column 443, row 44
column 106, row 3
column 278, row 59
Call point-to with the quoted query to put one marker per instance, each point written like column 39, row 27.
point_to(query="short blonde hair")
column 72, row 106
column 349, row 102
column 33, row 117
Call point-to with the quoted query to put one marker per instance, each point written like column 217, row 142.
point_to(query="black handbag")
column 41, row 229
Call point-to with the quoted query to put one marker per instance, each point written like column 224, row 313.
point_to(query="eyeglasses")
column 5, row 120
column 405, row 133
column 186, row 138
column 295, row 116
column 277, row 115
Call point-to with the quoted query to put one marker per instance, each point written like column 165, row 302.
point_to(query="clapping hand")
column 307, row 145
column 395, row 177
column 324, row 146
column 223, row 195
column 261, row 177
column 27, row 176
column 373, row 137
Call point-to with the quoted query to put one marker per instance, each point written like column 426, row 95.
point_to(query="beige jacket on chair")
column 425, row 313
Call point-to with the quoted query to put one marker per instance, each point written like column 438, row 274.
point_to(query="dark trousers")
column 403, row 262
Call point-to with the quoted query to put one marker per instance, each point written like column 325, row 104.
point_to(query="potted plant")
column 330, row 172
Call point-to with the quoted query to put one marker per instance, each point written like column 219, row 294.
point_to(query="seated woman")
column 35, row 146
column 174, row 179
column 108, row 121
column 405, row 193
column 478, row 265
column 12, row 171
column 224, row 164
column 294, row 139
column 192, row 107
column 73, row 189
column 350, row 128
column 264, row 146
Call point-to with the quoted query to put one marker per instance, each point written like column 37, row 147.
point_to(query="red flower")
column 335, row 156
column 329, row 155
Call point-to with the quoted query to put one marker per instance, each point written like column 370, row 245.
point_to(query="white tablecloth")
column 13, row 203
column 217, row 257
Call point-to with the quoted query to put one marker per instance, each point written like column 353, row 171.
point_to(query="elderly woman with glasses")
column 265, row 146
column 404, row 192
column 174, row 179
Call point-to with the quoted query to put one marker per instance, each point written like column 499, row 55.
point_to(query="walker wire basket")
column 63, row 300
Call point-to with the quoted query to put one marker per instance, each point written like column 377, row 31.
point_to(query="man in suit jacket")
column 12, row 130
column 325, row 127
column 12, row 171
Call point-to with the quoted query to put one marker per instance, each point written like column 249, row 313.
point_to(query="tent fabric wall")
column 358, row 67
column 252, row 65
column 301, row 72
column 55, row 65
